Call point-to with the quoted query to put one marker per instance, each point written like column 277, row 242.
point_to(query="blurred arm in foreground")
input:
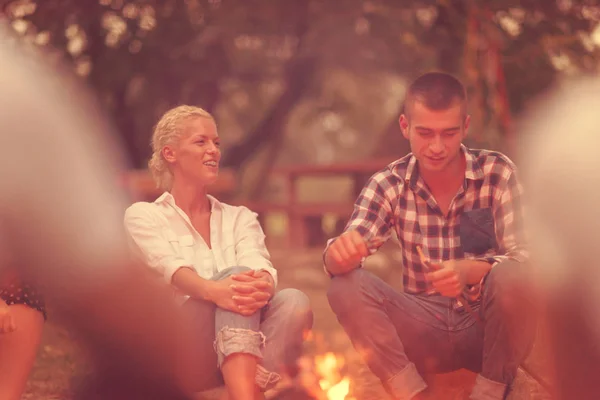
column 563, row 175
column 61, row 215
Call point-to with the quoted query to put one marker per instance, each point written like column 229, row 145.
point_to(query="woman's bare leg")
column 18, row 350
column 239, row 373
column 258, row 394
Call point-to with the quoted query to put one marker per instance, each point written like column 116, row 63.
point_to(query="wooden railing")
column 302, row 216
column 141, row 186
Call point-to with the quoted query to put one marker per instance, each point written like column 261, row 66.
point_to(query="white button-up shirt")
column 162, row 235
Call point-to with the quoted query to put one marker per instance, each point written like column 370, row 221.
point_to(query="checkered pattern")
column 397, row 199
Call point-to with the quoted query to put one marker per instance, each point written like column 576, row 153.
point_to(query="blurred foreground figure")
column 562, row 168
column 61, row 225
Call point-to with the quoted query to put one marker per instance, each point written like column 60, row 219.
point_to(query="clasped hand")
column 244, row 293
column 448, row 277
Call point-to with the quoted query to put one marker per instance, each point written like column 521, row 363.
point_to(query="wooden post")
column 296, row 231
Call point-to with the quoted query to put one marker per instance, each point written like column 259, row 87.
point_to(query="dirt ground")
column 58, row 361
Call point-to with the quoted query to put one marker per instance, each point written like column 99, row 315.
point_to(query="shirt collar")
column 473, row 170
column 167, row 198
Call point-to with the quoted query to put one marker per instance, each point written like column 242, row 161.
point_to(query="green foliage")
column 264, row 65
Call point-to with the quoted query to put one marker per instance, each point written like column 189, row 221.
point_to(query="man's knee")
column 507, row 275
column 509, row 283
column 344, row 290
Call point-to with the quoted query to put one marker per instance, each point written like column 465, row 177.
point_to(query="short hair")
column 168, row 131
column 436, row 91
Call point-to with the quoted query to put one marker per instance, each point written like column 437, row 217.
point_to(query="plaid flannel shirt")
column 396, row 198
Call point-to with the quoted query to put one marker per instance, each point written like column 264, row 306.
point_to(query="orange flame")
column 328, row 366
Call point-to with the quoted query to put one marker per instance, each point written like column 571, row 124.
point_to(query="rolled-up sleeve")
column 149, row 241
column 250, row 247
column 372, row 214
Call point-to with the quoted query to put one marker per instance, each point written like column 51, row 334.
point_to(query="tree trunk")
column 299, row 71
column 449, row 30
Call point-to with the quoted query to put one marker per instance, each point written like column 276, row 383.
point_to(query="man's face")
column 435, row 136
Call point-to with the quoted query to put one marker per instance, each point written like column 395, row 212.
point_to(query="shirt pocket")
column 477, row 232
column 183, row 246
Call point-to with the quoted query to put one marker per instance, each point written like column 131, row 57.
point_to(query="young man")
column 462, row 208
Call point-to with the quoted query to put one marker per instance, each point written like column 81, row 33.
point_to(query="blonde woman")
column 214, row 256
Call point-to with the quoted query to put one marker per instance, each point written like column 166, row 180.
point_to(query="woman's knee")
column 294, row 298
column 232, row 271
column 295, row 304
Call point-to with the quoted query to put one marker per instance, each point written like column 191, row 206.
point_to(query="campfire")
column 333, row 385
column 320, row 377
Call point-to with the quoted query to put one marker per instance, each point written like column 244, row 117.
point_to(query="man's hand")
column 449, row 277
column 346, row 253
column 232, row 295
column 254, row 290
column 7, row 321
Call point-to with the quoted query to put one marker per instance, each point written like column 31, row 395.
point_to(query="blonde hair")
column 168, row 131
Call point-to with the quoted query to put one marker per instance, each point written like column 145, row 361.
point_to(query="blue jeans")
column 403, row 336
column 274, row 335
